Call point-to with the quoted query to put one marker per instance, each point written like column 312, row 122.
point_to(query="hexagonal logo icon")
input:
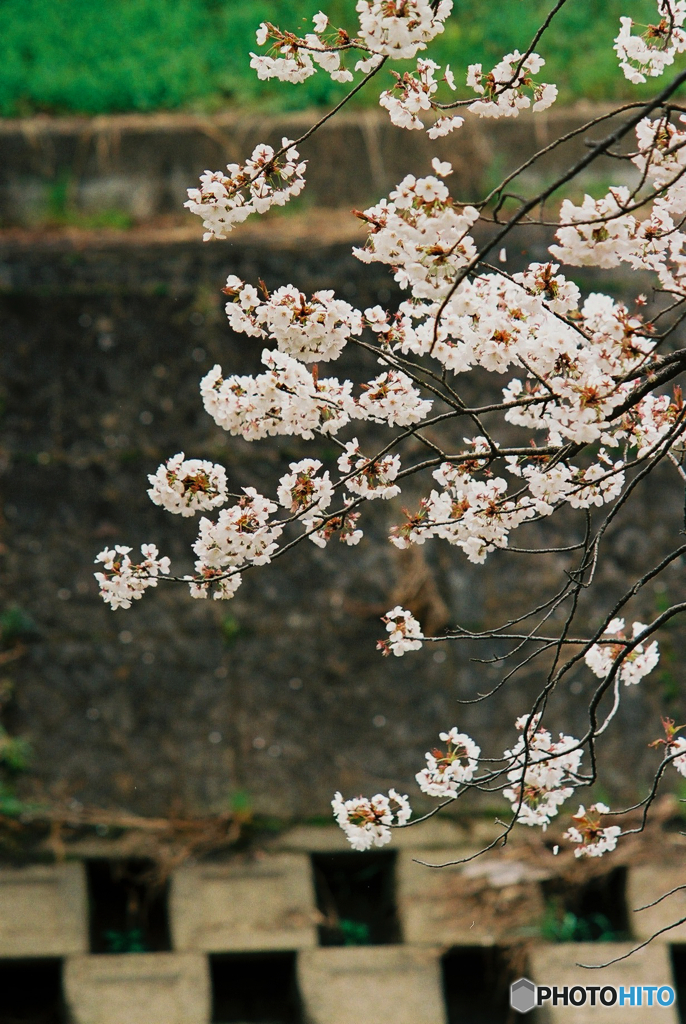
column 522, row 995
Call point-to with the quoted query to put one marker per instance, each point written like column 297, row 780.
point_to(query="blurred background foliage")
column 102, row 56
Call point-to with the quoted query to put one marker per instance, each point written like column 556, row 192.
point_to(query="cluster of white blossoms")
column 422, row 234
column 389, row 28
column 638, row 663
column 287, row 399
column 651, row 420
column 405, row 633
column 509, row 87
column 598, row 234
column 448, row 770
column 371, row 478
column 543, row 773
column 186, row 486
column 655, row 49
column 661, row 157
column 577, row 359
column 301, row 489
column 592, row 839
column 392, row 398
column 123, row 581
column 298, row 58
column 367, row 822
column 469, row 513
column 678, row 747
column 400, row 28
column 311, row 330
column 599, row 483
column 674, row 745
column 342, row 525
column 413, row 93
column 241, row 536
column 266, row 179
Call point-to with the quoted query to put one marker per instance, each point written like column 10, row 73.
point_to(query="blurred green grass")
column 101, row 56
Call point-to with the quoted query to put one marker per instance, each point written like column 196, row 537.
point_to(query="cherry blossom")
column 298, row 58
column 448, row 770
column 678, row 746
column 544, row 773
column 584, row 412
column 592, row 840
column 654, row 50
column 638, row 663
column 186, row 486
column 662, row 158
column 399, row 28
column 287, row 399
column 415, row 92
column 405, row 633
column 674, row 745
column 505, row 87
column 242, row 535
column 123, row 581
column 366, row 821
column 312, row 330
column 301, row 489
column 421, row 234
column 392, row 398
column 343, row 525
column 264, row 180
column 373, row 478
column 469, row 513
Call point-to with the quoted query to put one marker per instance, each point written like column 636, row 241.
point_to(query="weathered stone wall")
column 278, row 694
column 142, row 165
column 463, row 933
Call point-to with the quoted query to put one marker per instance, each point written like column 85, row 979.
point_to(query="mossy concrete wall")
column 278, row 694
column 57, row 168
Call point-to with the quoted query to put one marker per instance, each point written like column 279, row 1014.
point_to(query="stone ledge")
column 142, row 165
column 138, row 988
column 243, row 905
column 556, row 965
column 483, row 902
column 363, row 985
column 43, row 910
column 645, row 885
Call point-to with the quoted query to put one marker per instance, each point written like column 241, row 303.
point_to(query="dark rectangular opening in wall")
column 476, row 985
column 128, row 907
column 678, row 957
column 594, row 910
column 31, row 992
column 254, row 988
column 356, row 895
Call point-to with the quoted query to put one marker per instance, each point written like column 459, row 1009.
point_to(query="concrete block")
column 647, row 883
column 432, row 835
column 367, row 984
column 312, row 839
column 556, row 965
column 266, row 903
column 132, row 194
column 479, row 903
column 138, row 988
column 43, row 910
